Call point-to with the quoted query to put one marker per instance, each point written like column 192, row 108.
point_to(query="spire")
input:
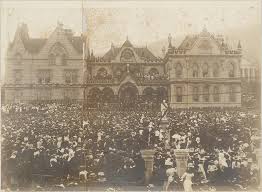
column 164, row 51
column 239, row 47
column 169, row 41
column 127, row 43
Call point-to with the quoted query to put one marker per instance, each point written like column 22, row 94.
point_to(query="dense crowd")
column 62, row 144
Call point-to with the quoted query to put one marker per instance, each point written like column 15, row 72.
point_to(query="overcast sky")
column 143, row 23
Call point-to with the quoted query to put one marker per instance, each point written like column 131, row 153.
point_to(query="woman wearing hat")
column 187, row 178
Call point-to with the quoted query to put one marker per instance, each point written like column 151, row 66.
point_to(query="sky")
column 142, row 22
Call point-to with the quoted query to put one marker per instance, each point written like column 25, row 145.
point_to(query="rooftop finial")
column 127, row 37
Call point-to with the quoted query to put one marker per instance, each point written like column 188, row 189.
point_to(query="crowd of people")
column 61, row 144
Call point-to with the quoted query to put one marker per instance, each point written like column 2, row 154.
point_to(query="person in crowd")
column 57, row 140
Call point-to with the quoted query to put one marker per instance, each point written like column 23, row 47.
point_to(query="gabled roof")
column 111, row 54
column 188, row 42
column 34, row 45
column 127, row 43
column 143, row 52
column 77, row 43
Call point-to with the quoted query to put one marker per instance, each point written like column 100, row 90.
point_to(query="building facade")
column 201, row 72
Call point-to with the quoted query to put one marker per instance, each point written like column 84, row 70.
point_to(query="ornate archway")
column 94, row 96
column 128, row 95
column 107, row 95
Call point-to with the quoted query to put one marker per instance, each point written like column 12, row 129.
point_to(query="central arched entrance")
column 128, row 95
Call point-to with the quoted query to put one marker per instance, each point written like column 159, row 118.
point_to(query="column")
column 181, row 160
column 164, row 125
column 148, row 156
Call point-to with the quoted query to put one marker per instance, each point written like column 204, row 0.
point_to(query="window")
column 69, row 94
column 205, row 70
column 18, row 58
column 51, row 59
column 17, row 76
column 44, row 76
column 232, row 94
column 195, row 94
column 70, row 76
column 215, row 70
column 216, row 94
column 58, row 55
column 101, row 73
column 179, row 94
column 153, row 72
column 195, row 70
column 44, row 94
column 231, row 70
column 179, row 70
column 127, row 56
column 206, row 93
column 18, row 95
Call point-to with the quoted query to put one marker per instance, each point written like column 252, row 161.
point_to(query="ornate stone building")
column 201, row 72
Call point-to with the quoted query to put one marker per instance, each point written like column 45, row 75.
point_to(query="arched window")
column 205, row 70
column 101, row 73
column 179, row 96
column 153, row 72
column 206, row 93
column 232, row 94
column 195, row 70
column 215, row 70
column 107, row 95
column 179, row 70
column 58, row 55
column 216, row 94
column 127, row 56
column 195, row 94
column 231, row 70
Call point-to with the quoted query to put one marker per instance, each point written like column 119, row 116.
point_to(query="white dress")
column 188, row 182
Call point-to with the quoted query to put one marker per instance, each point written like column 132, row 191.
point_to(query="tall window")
column 216, row 94
column 70, row 76
column 232, row 94
column 205, row 70
column 44, row 76
column 195, row 70
column 52, row 59
column 231, row 70
column 18, row 95
column 195, row 94
column 17, row 76
column 179, row 70
column 215, row 70
column 206, row 93
column 179, row 94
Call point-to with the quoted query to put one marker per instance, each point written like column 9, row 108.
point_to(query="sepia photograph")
column 131, row 95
